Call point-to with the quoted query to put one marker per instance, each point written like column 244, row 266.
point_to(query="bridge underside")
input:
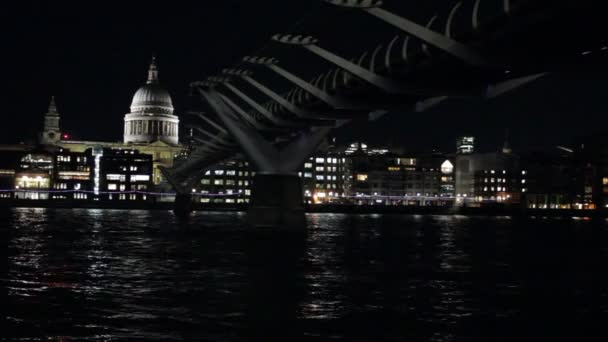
column 477, row 48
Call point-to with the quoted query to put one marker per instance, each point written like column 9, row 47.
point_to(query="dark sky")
column 94, row 55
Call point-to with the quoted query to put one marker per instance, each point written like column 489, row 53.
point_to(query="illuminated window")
column 123, row 187
column 308, row 166
column 140, row 178
column 307, row 175
column 115, row 177
column 219, row 182
column 231, row 173
column 219, row 172
column 320, row 160
column 362, row 178
column 112, row 187
column 320, row 169
column 605, row 181
column 320, row 177
column 205, row 181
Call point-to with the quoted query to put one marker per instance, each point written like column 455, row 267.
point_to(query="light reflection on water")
column 118, row 275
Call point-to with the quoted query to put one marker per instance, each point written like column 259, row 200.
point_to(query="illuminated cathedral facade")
column 151, row 127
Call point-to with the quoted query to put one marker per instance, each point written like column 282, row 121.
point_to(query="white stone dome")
column 151, row 118
column 152, row 98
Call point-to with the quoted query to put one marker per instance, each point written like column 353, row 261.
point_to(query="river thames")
column 104, row 275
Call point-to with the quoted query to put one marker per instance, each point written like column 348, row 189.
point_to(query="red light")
column 66, row 136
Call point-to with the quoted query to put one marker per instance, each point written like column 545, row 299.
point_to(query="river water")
column 103, row 275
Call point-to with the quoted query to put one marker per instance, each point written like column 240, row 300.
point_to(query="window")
column 231, row 173
column 219, row 182
column 219, row 172
column 362, row 178
column 307, row 175
column 308, row 166
column 320, row 160
column 320, row 169
column 140, row 178
column 205, row 181
column 320, row 177
column 116, row 177
column 123, row 187
column 112, row 187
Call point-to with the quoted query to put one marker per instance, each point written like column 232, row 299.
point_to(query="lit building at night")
column 34, row 176
column 72, row 174
column 465, row 145
column 324, row 178
column 389, row 179
column 151, row 127
column 229, row 182
column 493, row 177
column 120, row 174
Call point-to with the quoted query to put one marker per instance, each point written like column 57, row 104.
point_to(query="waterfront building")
column 547, row 180
column 229, row 182
column 483, row 178
column 33, row 177
column 324, row 178
column 10, row 159
column 71, row 175
column 120, row 174
column 390, row 179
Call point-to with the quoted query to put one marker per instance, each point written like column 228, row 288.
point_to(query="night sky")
column 94, row 55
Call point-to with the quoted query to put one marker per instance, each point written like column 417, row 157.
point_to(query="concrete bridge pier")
column 276, row 201
column 182, row 207
column 276, row 197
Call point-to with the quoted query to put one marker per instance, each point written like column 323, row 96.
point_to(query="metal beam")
column 427, row 35
column 260, row 109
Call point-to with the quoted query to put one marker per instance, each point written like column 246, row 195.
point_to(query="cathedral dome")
column 152, row 98
column 151, row 118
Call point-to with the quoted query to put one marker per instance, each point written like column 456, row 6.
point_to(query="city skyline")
column 93, row 71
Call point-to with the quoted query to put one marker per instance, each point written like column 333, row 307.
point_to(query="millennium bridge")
column 464, row 49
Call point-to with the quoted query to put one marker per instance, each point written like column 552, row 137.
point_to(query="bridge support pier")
column 276, row 201
column 182, row 207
